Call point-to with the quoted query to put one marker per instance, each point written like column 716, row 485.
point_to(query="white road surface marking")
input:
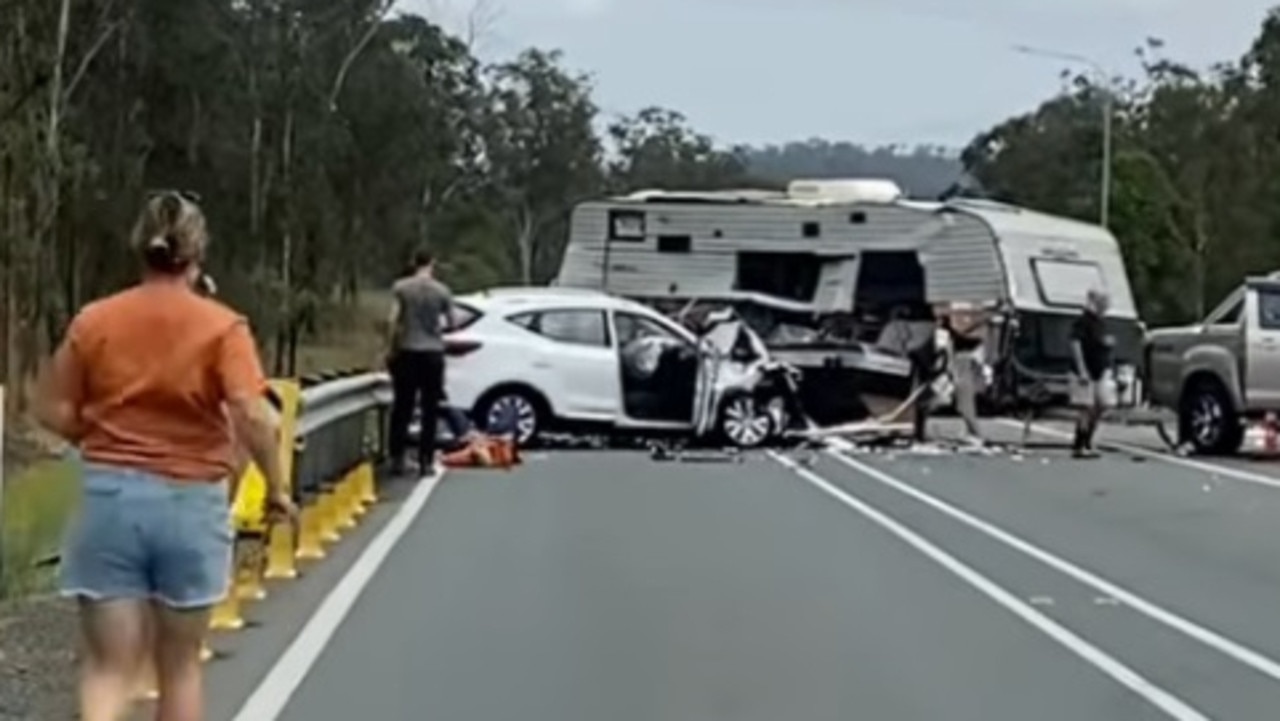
column 1171, row 705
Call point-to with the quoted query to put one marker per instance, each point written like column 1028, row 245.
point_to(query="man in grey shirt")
column 421, row 312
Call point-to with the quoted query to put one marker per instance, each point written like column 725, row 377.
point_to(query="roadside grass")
column 38, row 500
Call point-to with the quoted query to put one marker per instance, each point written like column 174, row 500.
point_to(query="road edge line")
column 1202, row 466
column 272, row 695
column 1233, row 650
column 1103, row 662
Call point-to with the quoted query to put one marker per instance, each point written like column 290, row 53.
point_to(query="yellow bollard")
column 248, row 571
column 351, row 497
column 280, row 553
column 344, row 513
column 355, row 500
column 368, row 487
column 329, row 519
column 310, row 545
column 226, row 615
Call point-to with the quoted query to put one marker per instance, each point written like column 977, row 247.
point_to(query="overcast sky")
column 869, row 71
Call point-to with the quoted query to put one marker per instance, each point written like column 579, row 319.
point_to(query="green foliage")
column 1196, row 161
column 37, row 504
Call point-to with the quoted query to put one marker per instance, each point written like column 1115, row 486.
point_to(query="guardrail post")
column 281, row 536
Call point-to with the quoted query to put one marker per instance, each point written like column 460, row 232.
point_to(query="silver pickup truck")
column 1222, row 372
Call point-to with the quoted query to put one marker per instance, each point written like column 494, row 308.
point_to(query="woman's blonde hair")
column 170, row 234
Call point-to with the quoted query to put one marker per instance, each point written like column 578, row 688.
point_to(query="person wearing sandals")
column 155, row 386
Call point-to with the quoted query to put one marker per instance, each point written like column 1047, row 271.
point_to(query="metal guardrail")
column 331, row 436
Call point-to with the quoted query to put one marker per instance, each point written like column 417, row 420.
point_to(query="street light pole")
column 1108, row 117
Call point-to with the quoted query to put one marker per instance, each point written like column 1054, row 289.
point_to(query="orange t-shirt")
column 150, row 369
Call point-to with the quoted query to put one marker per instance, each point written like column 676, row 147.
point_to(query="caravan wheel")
column 744, row 422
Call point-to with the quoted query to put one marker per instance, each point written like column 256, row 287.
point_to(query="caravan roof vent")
column 846, row 190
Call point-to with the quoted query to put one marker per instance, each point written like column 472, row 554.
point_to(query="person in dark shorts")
column 421, row 312
column 1091, row 351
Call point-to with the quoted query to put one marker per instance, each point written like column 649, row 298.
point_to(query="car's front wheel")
column 744, row 421
column 513, row 411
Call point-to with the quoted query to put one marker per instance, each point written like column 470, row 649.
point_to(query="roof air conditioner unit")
column 846, row 190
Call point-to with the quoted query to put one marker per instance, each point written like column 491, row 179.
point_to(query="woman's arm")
column 60, row 392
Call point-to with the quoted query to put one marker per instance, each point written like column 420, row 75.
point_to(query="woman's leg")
column 180, row 635
column 192, row 550
column 104, row 567
column 114, row 638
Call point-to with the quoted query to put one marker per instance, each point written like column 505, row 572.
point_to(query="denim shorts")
column 142, row 536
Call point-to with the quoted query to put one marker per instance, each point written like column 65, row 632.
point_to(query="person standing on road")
column 928, row 361
column 421, row 311
column 1091, row 348
column 153, row 384
column 963, row 327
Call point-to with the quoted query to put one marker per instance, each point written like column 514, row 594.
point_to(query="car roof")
column 505, row 299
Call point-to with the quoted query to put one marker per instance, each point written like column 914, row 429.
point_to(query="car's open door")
column 705, row 388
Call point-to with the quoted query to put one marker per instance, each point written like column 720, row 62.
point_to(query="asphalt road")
column 813, row 586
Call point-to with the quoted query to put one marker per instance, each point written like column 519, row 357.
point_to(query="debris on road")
column 659, row 451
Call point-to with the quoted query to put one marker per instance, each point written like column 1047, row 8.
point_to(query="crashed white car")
column 532, row 360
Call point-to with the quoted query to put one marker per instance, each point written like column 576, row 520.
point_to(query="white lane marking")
column 1208, row 637
column 269, row 699
column 1099, row 659
column 1210, row 468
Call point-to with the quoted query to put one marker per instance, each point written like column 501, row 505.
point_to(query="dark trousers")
column 417, row 379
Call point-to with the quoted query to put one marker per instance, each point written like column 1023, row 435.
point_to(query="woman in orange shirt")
column 154, row 384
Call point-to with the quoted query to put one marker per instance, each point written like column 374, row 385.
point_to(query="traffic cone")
column 310, row 544
column 280, row 553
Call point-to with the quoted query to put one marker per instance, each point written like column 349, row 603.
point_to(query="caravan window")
column 626, row 225
column 1066, row 282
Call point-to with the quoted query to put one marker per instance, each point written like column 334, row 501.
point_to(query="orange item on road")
column 484, row 452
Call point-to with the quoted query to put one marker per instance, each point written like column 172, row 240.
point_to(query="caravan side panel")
column 962, row 262
column 637, row 267
column 716, row 234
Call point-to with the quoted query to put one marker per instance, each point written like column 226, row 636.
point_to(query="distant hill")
column 922, row 171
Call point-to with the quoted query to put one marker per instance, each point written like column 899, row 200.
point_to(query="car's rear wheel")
column 513, row 411
column 744, row 421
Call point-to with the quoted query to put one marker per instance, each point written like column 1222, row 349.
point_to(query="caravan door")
column 837, row 282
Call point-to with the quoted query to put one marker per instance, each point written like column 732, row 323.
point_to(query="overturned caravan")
column 842, row 278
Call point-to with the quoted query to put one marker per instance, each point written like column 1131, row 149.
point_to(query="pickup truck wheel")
column 1208, row 421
